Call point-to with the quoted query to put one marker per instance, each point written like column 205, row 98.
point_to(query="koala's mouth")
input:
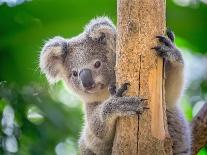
column 95, row 88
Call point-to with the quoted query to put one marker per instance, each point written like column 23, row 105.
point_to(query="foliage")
column 38, row 135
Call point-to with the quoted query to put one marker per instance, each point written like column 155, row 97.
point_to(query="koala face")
column 85, row 62
column 89, row 66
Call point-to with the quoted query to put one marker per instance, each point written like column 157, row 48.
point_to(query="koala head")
column 85, row 62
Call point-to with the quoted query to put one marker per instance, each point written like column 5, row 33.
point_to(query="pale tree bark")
column 139, row 21
column 199, row 130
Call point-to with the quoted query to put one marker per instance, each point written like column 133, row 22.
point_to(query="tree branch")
column 199, row 130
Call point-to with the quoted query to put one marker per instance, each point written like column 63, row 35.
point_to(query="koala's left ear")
column 52, row 58
column 102, row 30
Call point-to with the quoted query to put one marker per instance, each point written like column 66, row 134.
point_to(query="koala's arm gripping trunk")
column 139, row 21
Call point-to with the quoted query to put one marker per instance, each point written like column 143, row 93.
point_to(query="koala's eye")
column 75, row 74
column 97, row 64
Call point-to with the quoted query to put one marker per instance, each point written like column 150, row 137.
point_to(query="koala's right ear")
column 52, row 58
column 102, row 30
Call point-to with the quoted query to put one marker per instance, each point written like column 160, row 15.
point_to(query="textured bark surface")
column 199, row 130
column 139, row 21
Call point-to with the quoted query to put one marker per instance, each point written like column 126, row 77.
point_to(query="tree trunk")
column 139, row 21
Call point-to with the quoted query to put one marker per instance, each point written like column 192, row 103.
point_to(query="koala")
column 86, row 64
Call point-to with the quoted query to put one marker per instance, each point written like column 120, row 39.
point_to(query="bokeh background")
column 38, row 119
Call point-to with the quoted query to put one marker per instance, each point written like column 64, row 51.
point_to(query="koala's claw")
column 142, row 107
column 144, row 99
column 161, row 51
column 165, row 40
column 170, row 35
column 167, row 49
column 122, row 89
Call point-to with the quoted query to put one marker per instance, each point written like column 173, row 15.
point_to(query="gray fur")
column 60, row 58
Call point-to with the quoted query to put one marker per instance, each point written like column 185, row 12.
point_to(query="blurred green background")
column 38, row 119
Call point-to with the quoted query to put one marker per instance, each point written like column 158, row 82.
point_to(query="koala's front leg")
column 102, row 117
column 174, row 66
column 119, row 105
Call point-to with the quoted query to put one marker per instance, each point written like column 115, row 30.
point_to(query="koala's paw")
column 121, row 90
column 167, row 49
column 142, row 106
column 123, row 106
column 132, row 105
column 118, row 105
column 118, row 92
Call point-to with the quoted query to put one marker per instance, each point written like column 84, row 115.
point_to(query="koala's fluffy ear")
column 52, row 58
column 102, row 29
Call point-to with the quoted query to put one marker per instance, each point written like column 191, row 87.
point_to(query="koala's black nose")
column 86, row 78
